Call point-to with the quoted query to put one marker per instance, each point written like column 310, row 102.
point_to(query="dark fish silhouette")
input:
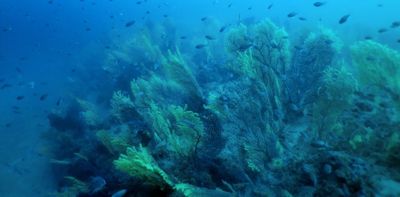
column 19, row 71
column 302, row 19
column 344, row 19
column 130, row 23
column 204, row 18
column 222, row 29
column 200, row 46
column 19, row 97
column 292, row 14
column 59, row 101
column 395, row 24
column 270, row 6
column 368, row 38
column 382, row 30
column 43, row 97
column 319, row 4
column 208, row 37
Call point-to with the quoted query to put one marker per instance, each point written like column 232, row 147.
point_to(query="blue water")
column 56, row 50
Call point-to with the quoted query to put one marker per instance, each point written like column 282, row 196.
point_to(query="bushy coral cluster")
column 278, row 119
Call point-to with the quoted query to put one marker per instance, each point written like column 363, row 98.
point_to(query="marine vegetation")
column 270, row 115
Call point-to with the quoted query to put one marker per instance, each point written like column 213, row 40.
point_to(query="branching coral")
column 378, row 65
column 378, row 69
column 270, row 122
column 188, row 130
column 176, row 84
column 177, row 128
column 138, row 162
column 90, row 113
column 318, row 51
column 262, row 149
column 265, row 63
column 76, row 187
column 133, row 54
column 155, row 89
column 238, row 39
column 177, row 69
column 115, row 144
column 334, row 96
column 271, row 47
column 122, row 106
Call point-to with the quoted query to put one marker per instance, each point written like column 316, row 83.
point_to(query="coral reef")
column 270, row 120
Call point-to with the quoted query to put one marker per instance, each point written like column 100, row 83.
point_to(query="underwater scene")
column 199, row 98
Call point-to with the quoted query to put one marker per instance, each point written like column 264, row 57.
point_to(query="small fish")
column 244, row 47
column 15, row 107
column 130, row 23
column 4, row 86
column 7, row 29
column 302, row 19
column 270, row 6
column 319, row 4
column 200, row 46
column 229, row 5
column 382, row 30
column 60, row 162
column 344, row 19
column 292, row 14
column 8, row 125
column 43, row 97
column 222, row 29
column 208, row 37
column 204, row 18
column 120, row 193
column 59, row 101
column 368, row 38
column 183, row 37
column 19, row 71
column 20, row 98
column 398, row 41
column 395, row 24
